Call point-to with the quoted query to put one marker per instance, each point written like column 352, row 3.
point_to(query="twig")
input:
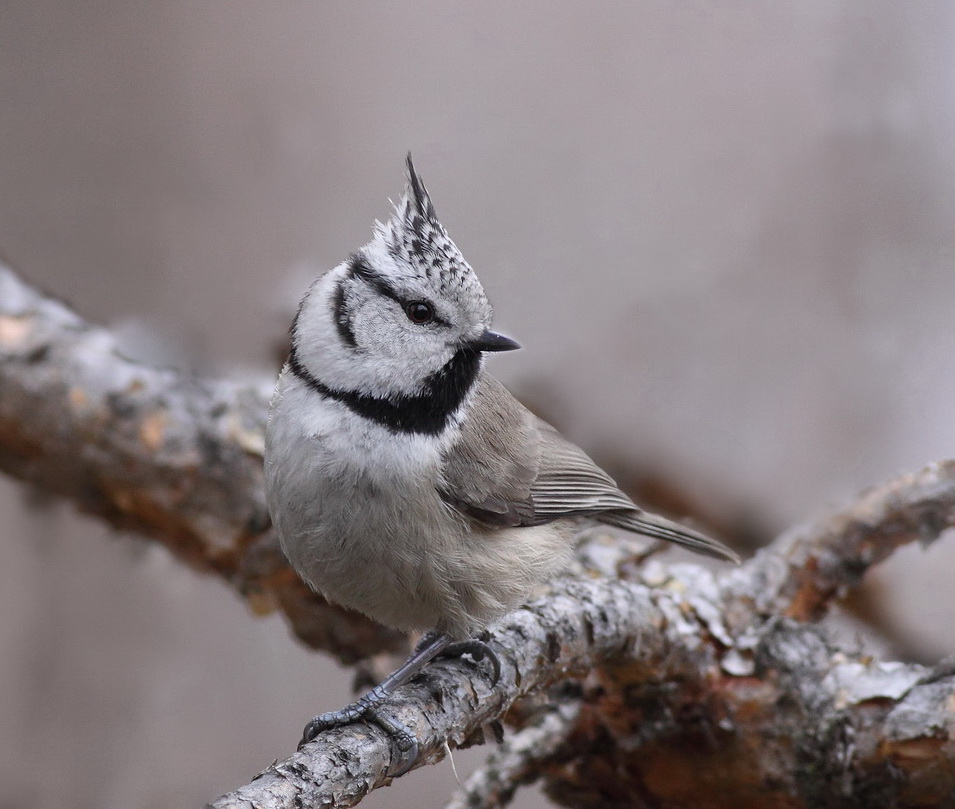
column 800, row 574
column 518, row 760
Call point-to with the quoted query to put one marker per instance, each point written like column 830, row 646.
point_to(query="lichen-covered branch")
column 694, row 689
column 700, row 685
column 562, row 635
column 811, row 727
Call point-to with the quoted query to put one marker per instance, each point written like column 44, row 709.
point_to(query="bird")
column 406, row 482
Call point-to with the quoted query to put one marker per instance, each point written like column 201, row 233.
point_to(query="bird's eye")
column 419, row 312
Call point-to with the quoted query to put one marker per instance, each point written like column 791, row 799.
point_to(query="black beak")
column 492, row 341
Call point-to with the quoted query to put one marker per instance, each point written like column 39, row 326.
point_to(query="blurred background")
column 724, row 235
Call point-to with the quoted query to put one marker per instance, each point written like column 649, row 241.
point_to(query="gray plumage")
column 511, row 468
column 403, row 480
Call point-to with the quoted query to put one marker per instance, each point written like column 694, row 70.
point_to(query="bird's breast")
column 356, row 507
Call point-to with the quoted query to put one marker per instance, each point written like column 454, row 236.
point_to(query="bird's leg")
column 432, row 645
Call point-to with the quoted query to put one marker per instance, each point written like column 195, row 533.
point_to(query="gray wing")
column 510, row 468
column 490, row 471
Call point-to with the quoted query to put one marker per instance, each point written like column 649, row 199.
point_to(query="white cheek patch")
column 375, row 327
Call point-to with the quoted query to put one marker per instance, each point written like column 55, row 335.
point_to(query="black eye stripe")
column 359, row 268
column 340, row 313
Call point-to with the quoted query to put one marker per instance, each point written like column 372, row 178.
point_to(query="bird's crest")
column 417, row 241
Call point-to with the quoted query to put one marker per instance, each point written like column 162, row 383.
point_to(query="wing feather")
column 510, row 468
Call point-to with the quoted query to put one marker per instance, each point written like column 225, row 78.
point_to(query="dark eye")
column 419, row 312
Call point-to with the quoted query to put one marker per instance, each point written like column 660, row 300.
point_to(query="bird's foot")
column 367, row 708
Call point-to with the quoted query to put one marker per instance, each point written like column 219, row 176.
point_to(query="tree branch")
column 564, row 634
column 691, row 684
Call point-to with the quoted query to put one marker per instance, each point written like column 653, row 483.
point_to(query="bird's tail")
column 653, row 525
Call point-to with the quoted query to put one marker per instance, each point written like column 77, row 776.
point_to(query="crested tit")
column 403, row 480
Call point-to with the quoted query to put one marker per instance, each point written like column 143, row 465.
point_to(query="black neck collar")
column 427, row 412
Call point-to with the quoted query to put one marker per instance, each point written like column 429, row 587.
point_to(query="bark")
column 628, row 683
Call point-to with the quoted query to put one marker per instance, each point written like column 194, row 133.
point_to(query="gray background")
column 724, row 233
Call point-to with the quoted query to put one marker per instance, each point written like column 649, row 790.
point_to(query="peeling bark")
column 807, row 567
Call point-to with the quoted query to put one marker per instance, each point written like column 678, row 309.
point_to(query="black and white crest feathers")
column 418, row 243
column 419, row 194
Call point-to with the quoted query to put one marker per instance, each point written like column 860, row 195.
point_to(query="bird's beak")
column 492, row 341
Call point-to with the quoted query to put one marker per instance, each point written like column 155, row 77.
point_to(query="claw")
column 336, row 719
column 317, row 725
column 311, row 731
column 477, row 650
column 403, row 738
